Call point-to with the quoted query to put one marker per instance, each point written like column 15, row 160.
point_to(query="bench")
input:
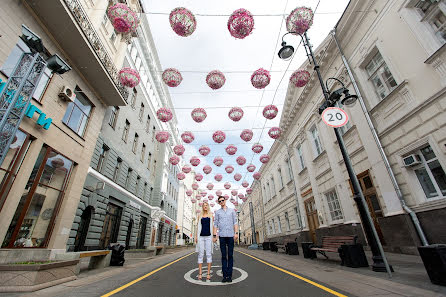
column 333, row 243
column 157, row 250
column 98, row 258
column 288, row 248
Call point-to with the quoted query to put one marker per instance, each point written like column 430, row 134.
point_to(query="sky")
column 211, row 47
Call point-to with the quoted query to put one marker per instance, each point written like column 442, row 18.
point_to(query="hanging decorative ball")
column 241, row 196
column 215, row 79
column 198, row 114
column 186, row 169
column 240, row 23
column 219, row 136
column 257, row 148
column 227, row 186
column 211, row 197
column 207, row 169
column 162, row 136
column 245, row 184
column 174, row 160
column 229, row 169
column 193, row 200
column 233, row 192
column 257, row 175
column 270, row 112
column 299, row 20
column 204, row 150
column 172, row 77
column 237, row 176
column 124, row 19
column 210, row 186
column 205, row 201
column 218, row 193
column 264, row 159
column 179, row 149
column 218, row 161
column 241, row 160
column 164, row 114
column 249, row 191
column 189, row 193
column 212, row 204
column 235, row 114
column 226, row 196
column 200, row 204
column 218, row 177
column 194, row 161
column 198, row 177
column 251, row 167
column 232, row 200
column 195, row 186
column 235, row 203
column 198, row 197
column 231, row 149
column 181, row 175
column 129, row 77
column 203, row 194
column 246, row 135
column 300, row 78
column 275, row 132
column 182, row 21
column 187, row 137
column 260, row 78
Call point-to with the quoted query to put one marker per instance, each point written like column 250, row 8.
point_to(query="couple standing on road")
column 226, row 223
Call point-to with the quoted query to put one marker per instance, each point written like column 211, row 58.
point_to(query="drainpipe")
column 409, row 211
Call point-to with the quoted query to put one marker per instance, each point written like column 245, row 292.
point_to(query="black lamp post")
column 379, row 260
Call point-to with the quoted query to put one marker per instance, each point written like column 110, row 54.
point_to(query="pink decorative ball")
column 193, row 200
column 198, row 114
column 300, row 78
column 218, row 161
column 237, row 176
column 195, row 186
column 210, row 186
column 229, row 169
column 219, row 136
column 218, row 177
column 129, row 77
column 275, row 132
column 257, row 175
column 235, row 114
column 204, row 150
column 226, row 196
column 232, row 200
column 231, row 149
column 240, row 23
column 246, row 135
column 257, row 148
column 264, row 159
column 198, row 197
column 235, row 203
column 205, row 200
column 248, row 191
column 218, row 193
column 179, row 149
column 194, row 161
column 260, row 78
column 233, row 192
column 174, row 160
column 181, row 175
column 299, row 20
column 200, row 204
column 162, row 136
column 164, row 114
column 203, row 194
column 198, row 177
column 215, row 79
column 211, row 197
column 182, row 21
column 207, row 169
column 186, row 168
column 241, row 160
column 212, row 204
column 241, row 196
column 251, row 167
column 187, row 137
column 270, row 112
column 227, row 186
column 245, row 184
column 124, row 19
column 172, row 77
column 189, row 193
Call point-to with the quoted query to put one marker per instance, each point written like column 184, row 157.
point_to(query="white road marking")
column 188, row 277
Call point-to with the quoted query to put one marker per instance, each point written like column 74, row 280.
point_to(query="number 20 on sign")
column 335, row 117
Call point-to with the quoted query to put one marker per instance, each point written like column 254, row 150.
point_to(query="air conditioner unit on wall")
column 411, row 160
column 67, row 94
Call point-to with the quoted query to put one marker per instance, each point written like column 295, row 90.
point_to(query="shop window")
column 380, row 76
column 34, row 217
column 110, row 229
column 78, row 113
column 334, row 205
column 11, row 164
column 113, row 116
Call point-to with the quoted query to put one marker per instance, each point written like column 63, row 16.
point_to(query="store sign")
column 32, row 109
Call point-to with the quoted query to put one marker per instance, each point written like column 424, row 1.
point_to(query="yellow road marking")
column 297, row 276
column 143, row 277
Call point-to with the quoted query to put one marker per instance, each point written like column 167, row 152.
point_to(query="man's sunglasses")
column 220, row 201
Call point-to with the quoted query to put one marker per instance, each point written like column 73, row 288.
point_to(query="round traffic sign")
column 334, row 117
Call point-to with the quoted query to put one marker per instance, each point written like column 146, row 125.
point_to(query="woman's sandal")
column 208, row 277
column 199, row 276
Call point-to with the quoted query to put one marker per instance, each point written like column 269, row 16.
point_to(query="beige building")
column 45, row 169
column 396, row 52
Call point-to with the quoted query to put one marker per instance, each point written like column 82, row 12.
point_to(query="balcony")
column 70, row 26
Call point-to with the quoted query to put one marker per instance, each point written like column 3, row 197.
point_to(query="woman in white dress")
column 203, row 239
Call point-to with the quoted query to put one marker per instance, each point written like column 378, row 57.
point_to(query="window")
column 102, row 157
column 141, row 233
column 430, row 174
column 273, row 226
column 117, row 169
column 153, row 133
column 273, row 187
column 434, row 14
column 141, row 112
column 105, row 19
column 135, row 143
column 279, row 173
column 290, row 173
column 113, row 37
column 133, row 99
column 154, row 167
column 134, row 53
column 301, row 157
column 110, row 229
column 78, row 113
column 287, row 221
column 113, row 116
column 148, row 124
column 334, row 206
column 12, row 60
column 138, row 179
column 279, row 225
column 137, row 62
column 149, row 160
column 143, row 152
column 269, row 191
column 298, row 222
column 144, row 193
column 265, row 195
column 125, row 132
column 317, row 146
column 380, row 76
column 128, row 178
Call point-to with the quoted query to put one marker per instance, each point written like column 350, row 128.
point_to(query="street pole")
column 379, row 259
column 254, row 245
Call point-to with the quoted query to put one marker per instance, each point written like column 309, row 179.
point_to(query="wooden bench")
column 99, row 259
column 333, row 243
column 157, row 250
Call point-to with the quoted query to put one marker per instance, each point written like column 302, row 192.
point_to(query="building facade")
column 405, row 102
column 186, row 211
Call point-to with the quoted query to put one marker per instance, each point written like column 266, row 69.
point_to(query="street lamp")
column 379, row 259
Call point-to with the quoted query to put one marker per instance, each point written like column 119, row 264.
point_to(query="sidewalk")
column 409, row 279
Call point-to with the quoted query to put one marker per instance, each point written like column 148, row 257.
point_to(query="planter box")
column 32, row 277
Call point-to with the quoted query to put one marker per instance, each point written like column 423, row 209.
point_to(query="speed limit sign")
column 334, row 117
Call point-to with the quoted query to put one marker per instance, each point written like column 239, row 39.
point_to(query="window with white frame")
column 297, row 218
column 273, row 226
column 273, row 187
column 430, row 174
column 380, row 76
column 300, row 154
column 269, row 191
column 433, row 12
column 113, row 116
column 334, row 205
column 317, row 145
column 105, row 19
column 279, row 174
column 287, row 221
column 279, row 225
column 290, row 173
